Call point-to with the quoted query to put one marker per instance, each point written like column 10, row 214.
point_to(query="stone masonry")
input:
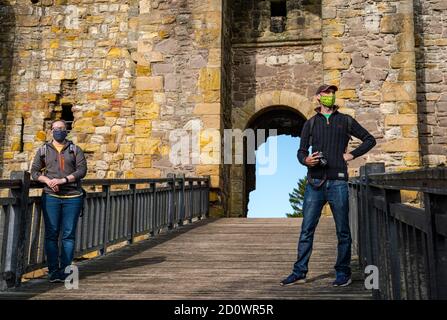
column 131, row 72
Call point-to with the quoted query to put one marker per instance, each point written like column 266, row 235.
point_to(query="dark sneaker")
column 342, row 281
column 55, row 277
column 293, row 279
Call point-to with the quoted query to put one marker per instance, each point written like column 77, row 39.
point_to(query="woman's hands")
column 54, row 184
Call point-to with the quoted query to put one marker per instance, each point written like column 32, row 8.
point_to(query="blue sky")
column 271, row 197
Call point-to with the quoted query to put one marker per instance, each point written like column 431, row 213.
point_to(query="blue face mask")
column 59, row 136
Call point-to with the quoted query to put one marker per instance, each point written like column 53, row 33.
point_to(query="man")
column 60, row 165
column 328, row 133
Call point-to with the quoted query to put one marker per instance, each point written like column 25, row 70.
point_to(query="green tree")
column 296, row 199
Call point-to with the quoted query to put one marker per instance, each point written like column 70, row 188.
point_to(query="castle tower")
column 132, row 77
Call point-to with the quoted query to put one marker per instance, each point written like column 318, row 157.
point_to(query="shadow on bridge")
column 209, row 259
column 117, row 261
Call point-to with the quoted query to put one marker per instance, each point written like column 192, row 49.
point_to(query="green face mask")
column 328, row 101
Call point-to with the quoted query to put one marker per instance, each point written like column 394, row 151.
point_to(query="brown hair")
column 60, row 120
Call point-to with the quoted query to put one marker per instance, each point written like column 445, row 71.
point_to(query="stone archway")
column 282, row 110
column 241, row 116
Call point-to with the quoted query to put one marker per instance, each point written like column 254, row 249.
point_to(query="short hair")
column 60, row 120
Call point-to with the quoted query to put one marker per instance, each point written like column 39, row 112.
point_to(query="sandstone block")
column 336, row 60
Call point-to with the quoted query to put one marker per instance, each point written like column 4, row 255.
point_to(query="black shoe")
column 55, row 277
column 342, row 281
column 293, row 279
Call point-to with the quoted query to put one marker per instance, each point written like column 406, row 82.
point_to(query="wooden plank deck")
column 210, row 259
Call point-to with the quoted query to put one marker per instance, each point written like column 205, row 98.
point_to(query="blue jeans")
column 336, row 193
column 61, row 218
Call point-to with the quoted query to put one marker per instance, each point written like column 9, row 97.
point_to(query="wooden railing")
column 407, row 243
column 110, row 217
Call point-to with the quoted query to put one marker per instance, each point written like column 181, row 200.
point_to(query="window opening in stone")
column 278, row 16
column 278, row 9
column 22, row 133
column 67, row 115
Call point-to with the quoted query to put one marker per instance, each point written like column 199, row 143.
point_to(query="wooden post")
column 393, row 196
column 191, row 199
column 14, row 259
column 154, row 209
column 372, row 218
column 364, row 243
column 171, row 210
column 132, row 213
column 437, row 251
column 182, row 200
column 106, row 189
column 200, row 200
column 207, row 195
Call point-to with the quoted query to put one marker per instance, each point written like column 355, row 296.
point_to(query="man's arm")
column 368, row 141
column 303, row 151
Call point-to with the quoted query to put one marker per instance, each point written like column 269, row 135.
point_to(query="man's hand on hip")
column 348, row 157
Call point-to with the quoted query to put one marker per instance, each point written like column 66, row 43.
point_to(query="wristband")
column 66, row 179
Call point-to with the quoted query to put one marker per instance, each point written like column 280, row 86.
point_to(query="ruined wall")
column 75, row 55
column 7, row 37
column 431, row 55
column 130, row 71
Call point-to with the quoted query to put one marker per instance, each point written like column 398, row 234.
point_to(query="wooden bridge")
column 187, row 255
column 229, row 258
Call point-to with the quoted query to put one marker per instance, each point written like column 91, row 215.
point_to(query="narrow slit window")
column 67, row 115
column 278, row 9
column 278, row 16
column 22, row 133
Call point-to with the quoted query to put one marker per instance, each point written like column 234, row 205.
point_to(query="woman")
column 60, row 165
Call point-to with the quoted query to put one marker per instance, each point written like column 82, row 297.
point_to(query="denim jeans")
column 336, row 193
column 61, row 218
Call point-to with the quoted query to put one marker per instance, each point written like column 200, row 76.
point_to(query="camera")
column 323, row 160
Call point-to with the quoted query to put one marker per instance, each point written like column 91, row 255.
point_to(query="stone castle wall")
column 133, row 71
column 368, row 50
column 431, row 55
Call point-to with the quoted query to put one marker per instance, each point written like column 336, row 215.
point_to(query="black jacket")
column 332, row 138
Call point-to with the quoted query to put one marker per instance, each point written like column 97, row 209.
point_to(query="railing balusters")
column 407, row 243
column 109, row 217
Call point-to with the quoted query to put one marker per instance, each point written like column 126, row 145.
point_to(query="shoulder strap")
column 311, row 124
column 350, row 119
column 43, row 151
column 43, row 156
column 73, row 148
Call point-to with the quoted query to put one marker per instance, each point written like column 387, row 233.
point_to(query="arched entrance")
column 287, row 119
